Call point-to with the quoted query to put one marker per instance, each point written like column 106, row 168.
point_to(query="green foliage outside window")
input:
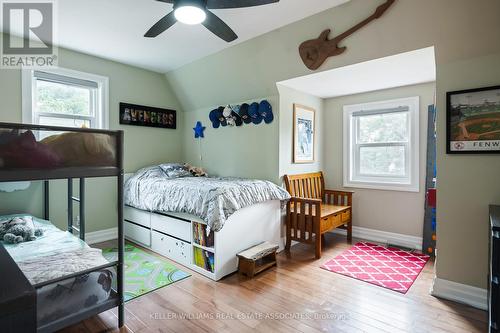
column 59, row 98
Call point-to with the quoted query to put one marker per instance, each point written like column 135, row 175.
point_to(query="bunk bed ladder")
column 46, row 214
column 81, row 200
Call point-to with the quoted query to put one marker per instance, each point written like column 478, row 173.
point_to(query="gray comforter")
column 211, row 199
column 61, row 263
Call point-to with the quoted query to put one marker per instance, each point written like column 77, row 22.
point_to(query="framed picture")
column 139, row 115
column 304, row 128
column 473, row 121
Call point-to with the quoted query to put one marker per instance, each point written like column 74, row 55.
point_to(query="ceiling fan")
column 197, row 11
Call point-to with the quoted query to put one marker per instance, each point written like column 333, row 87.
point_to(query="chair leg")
column 349, row 231
column 323, row 241
column 318, row 246
column 288, row 242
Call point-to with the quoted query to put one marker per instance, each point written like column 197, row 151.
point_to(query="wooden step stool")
column 256, row 259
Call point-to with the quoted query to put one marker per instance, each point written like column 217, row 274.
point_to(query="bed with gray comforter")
column 212, row 199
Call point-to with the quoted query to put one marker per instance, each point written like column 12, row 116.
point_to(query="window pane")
column 382, row 161
column 64, row 122
column 386, row 127
column 60, row 98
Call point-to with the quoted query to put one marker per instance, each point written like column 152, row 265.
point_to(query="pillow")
column 175, row 170
column 83, row 149
column 23, row 151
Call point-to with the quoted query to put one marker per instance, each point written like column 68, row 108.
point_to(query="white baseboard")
column 461, row 293
column 101, row 235
column 384, row 237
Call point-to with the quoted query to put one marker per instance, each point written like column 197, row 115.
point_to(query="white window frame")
column 101, row 97
column 351, row 178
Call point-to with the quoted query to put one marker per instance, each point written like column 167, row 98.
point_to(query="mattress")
column 56, row 254
column 53, row 240
column 64, row 298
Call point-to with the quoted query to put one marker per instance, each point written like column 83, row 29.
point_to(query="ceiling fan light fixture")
column 190, row 15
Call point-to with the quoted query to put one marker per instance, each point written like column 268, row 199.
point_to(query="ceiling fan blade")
column 167, row 1
column 166, row 22
column 227, row 4
column 218, row 27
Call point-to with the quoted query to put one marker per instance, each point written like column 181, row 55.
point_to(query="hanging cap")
column 253, row 112
column 220, row 114
column 214, row 118
column 266, row 111
column 243, row 112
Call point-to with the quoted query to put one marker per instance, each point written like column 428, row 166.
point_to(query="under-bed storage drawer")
column 137, row 216
column 172, row 226
column 172, row 248
column 137, row 233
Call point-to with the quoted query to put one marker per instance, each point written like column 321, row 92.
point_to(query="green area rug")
column 144, row 272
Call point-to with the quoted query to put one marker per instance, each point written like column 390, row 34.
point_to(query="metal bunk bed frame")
column 71, row 173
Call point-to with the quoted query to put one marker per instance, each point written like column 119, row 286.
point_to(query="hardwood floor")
column 296, row 296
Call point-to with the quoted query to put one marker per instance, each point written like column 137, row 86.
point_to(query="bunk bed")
column 39, row 289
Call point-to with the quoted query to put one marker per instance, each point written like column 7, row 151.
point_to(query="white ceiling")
column 114, row 29
column 395, row 71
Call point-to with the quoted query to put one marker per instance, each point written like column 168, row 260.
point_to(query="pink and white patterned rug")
column 387, row 267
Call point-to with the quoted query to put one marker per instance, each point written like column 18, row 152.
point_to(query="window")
column 61, row 97
column 381, row 145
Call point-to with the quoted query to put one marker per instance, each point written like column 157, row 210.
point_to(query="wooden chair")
column 312, row 211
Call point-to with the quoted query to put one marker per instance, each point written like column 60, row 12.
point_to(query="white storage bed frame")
column 171, row 235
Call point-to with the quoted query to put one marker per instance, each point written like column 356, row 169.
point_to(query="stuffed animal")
column 18, row 230
column 195, row 171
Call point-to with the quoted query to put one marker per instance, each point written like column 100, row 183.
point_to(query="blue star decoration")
column 198, row 130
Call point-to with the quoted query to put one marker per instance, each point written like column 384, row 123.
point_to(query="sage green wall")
column 289, row 97
column 143, row 146
column 391, row 211
column 261, row 151
column 467, row 184
column 249, row 151
column 460, row 30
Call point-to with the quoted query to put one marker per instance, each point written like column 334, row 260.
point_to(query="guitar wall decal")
column 315, row 52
